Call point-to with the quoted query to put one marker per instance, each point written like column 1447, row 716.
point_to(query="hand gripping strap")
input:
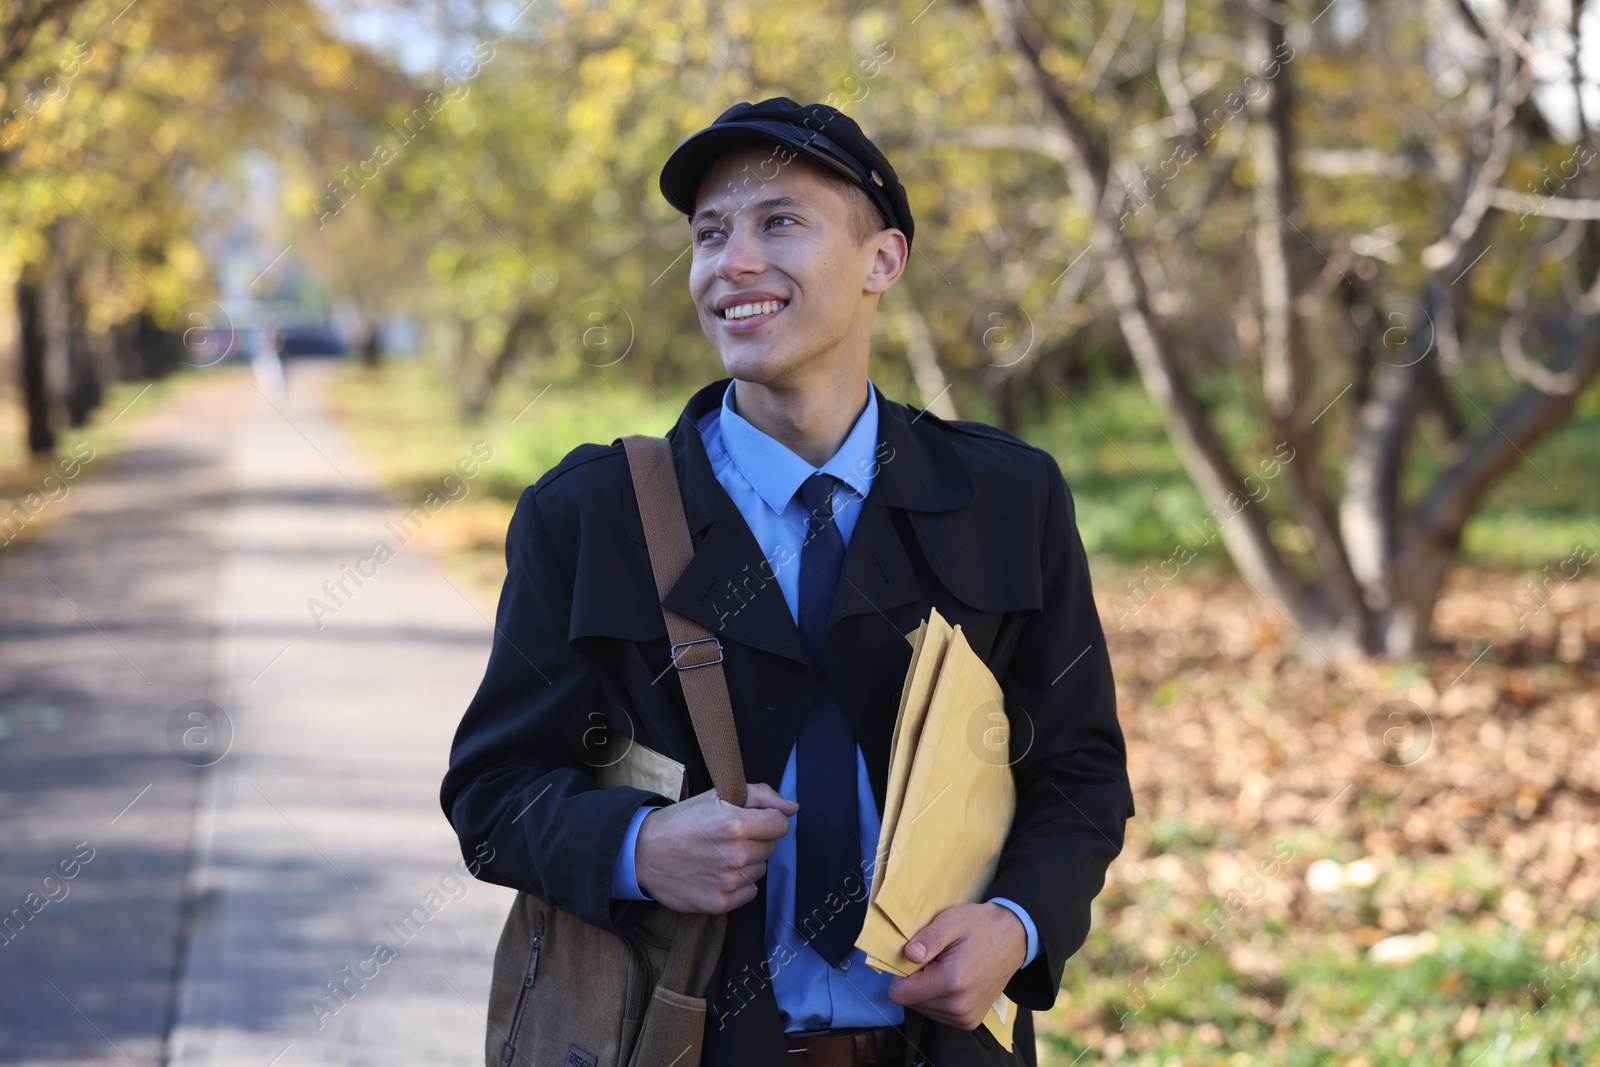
column 696, row 652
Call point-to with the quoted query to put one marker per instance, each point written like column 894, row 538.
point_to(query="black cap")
column 823, row 133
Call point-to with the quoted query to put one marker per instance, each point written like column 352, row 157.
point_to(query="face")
column 769, row 231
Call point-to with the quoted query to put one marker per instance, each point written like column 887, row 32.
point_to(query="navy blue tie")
column 827, row 834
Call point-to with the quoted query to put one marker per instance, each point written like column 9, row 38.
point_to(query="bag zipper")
column 639, row 990
column 509, row 1052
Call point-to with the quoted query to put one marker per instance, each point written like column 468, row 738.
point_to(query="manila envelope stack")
column 949, row 806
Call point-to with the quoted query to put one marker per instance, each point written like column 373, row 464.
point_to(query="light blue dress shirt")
column 763, row 478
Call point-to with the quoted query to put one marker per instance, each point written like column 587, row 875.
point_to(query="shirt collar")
column 776, row 473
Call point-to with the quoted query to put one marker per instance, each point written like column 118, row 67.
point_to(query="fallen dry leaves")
column 1488, row 800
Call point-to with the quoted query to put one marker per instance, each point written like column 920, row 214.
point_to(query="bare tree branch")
column 1106, row 48
column 1552, row 383
column 1373, row 162
column 1202, row 452
column 1449, row 250
column 1283, row 353
column 1470, row 17
column 1431, row 394
column 922, row 355
column 1045, row 141
column 1369, row 512
column 1174, row 20
column 1516, row 427
column 1550, row 207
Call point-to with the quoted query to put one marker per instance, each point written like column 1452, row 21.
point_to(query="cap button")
column 876, row 178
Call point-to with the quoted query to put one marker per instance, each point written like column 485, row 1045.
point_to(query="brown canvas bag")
column 568, row 994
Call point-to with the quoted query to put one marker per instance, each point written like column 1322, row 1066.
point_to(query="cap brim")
column 686, row 167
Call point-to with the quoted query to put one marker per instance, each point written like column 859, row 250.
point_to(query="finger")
column 940, row 1009
column 934, row 998
column 927, row 987
column 739, row 898
column 766, row 824
column 762, row 795
column 932, row 939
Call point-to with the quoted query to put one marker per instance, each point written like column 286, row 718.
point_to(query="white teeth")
column 744, row 311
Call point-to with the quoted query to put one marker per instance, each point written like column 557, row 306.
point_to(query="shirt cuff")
column 1027, row 923
column 624, row 879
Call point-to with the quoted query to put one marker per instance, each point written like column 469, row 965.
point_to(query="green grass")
column 1488, row 996
column 407, row 419
column 1134, row 500
column 408, row 415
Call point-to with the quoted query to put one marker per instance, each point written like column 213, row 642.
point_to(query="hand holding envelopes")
column 949, row 806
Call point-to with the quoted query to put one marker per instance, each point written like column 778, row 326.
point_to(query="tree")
column 1377, row 559
column 133, row 117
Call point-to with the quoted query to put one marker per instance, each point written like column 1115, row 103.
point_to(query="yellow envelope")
column 949, row 805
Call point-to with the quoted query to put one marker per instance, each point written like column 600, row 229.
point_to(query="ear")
column 889, row 254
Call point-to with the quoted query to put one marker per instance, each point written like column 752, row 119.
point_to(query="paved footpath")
column 246, row 800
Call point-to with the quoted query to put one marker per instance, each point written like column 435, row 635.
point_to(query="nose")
column 741, row 252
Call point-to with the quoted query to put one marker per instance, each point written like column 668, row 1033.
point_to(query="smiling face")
column 781, row 253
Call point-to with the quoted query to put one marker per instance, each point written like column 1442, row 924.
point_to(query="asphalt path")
column 224, row 714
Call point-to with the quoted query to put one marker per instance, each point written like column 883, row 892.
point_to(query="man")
column 827, row 521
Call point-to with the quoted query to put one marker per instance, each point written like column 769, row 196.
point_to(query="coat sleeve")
column 1068, row 758
column 522, row 799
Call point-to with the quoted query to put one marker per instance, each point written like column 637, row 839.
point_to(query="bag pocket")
column 674, row 1031
column 563, row 991
column 509, row 1050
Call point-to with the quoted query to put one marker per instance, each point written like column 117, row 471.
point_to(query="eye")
column 700, row 235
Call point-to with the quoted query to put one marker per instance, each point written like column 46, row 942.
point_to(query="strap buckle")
column 696, row 641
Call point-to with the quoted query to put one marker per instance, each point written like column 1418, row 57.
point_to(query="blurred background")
column 1304, row 297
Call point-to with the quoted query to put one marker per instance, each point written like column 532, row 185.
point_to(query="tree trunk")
column 1425, row 555
column 479, row 388
column 1284, row 361
column 55, row 317
column 372, row 345
column 84, row 386
column 102, row 349
column 932, row 385
column 31, row 360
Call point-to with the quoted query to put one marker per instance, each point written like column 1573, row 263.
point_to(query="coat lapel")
column 728, row 586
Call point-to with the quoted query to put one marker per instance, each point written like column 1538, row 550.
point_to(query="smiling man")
column 827, row 520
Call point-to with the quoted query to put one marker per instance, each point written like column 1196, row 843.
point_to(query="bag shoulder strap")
column 696, row 652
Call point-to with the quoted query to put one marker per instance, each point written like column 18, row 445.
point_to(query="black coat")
column 962, row 517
